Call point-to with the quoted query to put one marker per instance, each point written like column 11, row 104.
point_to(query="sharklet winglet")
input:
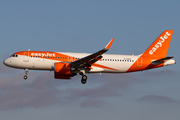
column 109, row 44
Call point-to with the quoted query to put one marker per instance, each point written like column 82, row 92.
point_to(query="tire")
column 84, row 79
column 25, row 77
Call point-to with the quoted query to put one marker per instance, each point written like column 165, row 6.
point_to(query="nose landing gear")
column 25, row 77
column 26, row 72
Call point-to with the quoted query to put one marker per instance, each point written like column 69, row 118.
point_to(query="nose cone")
column 7, row 62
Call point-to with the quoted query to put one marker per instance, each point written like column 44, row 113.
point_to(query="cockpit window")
column 13, row 55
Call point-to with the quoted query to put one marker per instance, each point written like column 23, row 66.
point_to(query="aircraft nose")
column 7, row 62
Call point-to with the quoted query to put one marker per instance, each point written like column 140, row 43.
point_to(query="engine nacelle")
column 62, row 70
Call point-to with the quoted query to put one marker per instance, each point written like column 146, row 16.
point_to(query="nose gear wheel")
column 25, row 77
column 26, row 72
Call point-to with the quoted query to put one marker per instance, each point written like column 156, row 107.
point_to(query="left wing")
column 87, row 61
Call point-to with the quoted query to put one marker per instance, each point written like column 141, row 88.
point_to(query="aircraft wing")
column 87, row 61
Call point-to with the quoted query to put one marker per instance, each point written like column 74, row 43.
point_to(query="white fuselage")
column 108, row 64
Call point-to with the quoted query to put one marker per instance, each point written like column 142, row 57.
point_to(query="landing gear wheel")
column 26, row 73
column 84, row 79
column 25, row 77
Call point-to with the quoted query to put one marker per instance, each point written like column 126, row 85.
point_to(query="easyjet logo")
column 159, row 43
column 43, row 54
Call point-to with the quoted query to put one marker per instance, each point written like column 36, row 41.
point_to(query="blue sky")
column 87, row 26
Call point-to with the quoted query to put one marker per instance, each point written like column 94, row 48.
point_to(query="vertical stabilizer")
column 159, row 47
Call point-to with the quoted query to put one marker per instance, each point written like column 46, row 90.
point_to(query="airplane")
column 66, row 65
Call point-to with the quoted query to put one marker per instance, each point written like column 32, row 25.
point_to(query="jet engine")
column 62, row 71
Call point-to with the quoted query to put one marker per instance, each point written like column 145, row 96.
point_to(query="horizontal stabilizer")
column 156, row 62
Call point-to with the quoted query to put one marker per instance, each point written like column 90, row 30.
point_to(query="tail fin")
column 159, row 47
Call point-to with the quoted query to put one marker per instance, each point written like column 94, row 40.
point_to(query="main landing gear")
column 26, row 72
column 84, row 77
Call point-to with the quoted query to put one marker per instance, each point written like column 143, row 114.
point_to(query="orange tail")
column 159, row 47
column 156, row 52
